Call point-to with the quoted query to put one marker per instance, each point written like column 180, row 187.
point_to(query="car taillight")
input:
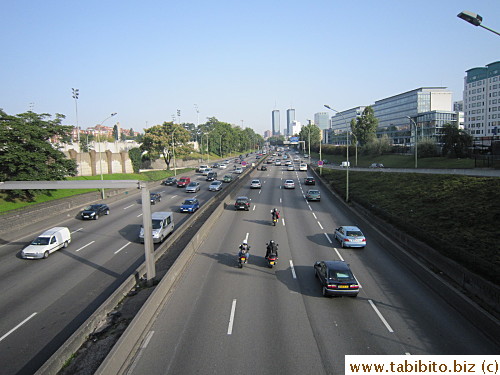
column 364, row 240
column 354, row 286
column 346, row 240
column 331, row 286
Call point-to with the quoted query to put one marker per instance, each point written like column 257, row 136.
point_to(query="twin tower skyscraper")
column 276, row 126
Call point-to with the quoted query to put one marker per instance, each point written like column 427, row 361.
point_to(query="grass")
column 457, row 215
column 7, row 205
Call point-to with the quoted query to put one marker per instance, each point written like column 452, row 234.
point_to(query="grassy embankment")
column 457, row 215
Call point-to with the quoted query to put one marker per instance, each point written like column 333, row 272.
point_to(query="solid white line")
column 123, row 247
column 78, row 230
column 380, row 316
column 19, row 325
column 320, row 225
column 132, row 205
column 315, row 216
column 293, row 270
column 139, row 215
column 340, row 256
column 84, row 246
column 231, row 318
column 328, row 238
column 147, row 339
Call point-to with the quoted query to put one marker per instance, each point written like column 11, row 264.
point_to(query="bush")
column 427, row 148
column 377, row 146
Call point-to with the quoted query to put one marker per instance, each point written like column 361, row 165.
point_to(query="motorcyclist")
column 275, row 214
column 272, row 249
column 244, row 249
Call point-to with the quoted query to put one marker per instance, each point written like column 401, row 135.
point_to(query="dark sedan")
column 155, row 198
column 94, row 211
column 336, row 278
column 242, row 203
column 170, row 181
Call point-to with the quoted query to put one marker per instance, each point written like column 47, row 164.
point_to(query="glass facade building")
column 276, row 122
column 290, row 118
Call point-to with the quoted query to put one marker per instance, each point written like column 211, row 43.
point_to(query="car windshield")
column 313, row 192
column 189, row 201
column 340, row 276
column 241, row 201
column 192, row 184
column 354, row 233
column 41, row 241
column 92, row 207
column 157, row 223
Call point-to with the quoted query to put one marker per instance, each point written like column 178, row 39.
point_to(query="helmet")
column 271, row 241
column 245, row 242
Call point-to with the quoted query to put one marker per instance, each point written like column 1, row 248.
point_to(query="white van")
column 46, row 243
column 345, row 164
column 163, row 225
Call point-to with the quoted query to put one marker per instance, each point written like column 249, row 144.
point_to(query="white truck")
column 46, row 243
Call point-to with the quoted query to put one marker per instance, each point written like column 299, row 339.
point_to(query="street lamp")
column 76, row 93
column 416, row 132
column 347, row 152
column 474, row 19
column 173, row 151
column 100, row 157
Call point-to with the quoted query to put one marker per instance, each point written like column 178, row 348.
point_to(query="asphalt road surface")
column 224, row 320
column 44, row 301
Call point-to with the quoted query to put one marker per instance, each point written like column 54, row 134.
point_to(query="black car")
column 336, row 278
column 242, row 203
column 94, row 211
column 211, row 176
column 154, row 198
column 309, row 181
column 170, row 181
column 263, row 168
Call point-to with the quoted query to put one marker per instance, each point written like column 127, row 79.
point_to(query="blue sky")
column 236, row 60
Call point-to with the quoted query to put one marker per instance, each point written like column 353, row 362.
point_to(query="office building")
column 296, row 127
column 342, row 121
column 276, row 122
column 290, row 117
column 482, row 103
column 321, row 119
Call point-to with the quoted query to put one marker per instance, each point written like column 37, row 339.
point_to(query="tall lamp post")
column 474, row 19
column 347, row 152
column 173, row 151
column 100, row 156
column 416, row 132
column 76, row 93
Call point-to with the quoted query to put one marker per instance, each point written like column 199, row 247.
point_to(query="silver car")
column 215, row 186
column 193, row 187
column 255, row 184
column 350, row 236
column 289, row 184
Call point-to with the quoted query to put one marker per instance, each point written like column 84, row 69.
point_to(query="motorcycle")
column 275, row 220
column 272, row 260
column 242, row 258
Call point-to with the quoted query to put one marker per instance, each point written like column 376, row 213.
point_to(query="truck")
column 46, row 243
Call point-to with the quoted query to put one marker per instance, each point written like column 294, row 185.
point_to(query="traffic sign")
column 320, row 163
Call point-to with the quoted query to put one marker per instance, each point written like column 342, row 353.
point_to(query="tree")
column 456, row 142
column 164, row 140
column 26, row 153
column 135, row 155
column 365, row 126
column 115, row 132
column 311, row 132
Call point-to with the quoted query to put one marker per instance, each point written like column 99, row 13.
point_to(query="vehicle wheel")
column 96, row 217
column 315, row 274
column 65, row 244
column 325, row 293
column 45, row 255
column 240, row 265
column 343, row 244
column 107, row 212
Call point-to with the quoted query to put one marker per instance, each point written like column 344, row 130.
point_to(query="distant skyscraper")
column 276, row 122
column 322, row 120
column 267, row 134
column 290, row 117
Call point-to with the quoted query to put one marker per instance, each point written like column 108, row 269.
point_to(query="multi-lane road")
column 44, row 301
column 225, row 320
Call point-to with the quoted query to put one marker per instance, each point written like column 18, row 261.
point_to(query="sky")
column 233, row 60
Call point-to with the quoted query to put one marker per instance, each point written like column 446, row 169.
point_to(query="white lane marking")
column 283, row 222
column 260, row 191
column 246, row 237
column 147, row 339
column 84, row 246
column 19, row 325
column 132, row 205
column 357, row 281
column 328, row 238
column 315, row 216
column 231, row 318
column 139, row 215
column 294, row 275
column 340, row 256
column 380, row 316
column 320, row 225
column 78, row 230
column 280, row 198
column 141, row 350
column 308, row 205
column 253, row 207
column 173, row 196
column 123, row 247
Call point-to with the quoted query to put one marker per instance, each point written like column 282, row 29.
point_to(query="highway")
column 44, row 301
column 256, row 320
